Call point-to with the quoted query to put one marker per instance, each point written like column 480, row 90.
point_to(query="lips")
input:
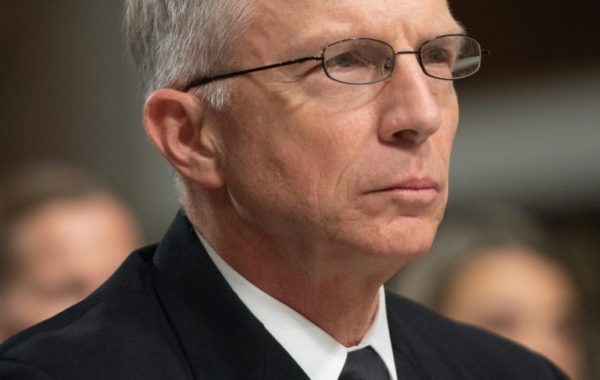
column 413, row 192
column 413, row 184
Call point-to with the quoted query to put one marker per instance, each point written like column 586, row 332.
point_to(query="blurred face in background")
column 521, row 295
column 59, row 254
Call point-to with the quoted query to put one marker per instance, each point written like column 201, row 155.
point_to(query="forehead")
column 313, row 24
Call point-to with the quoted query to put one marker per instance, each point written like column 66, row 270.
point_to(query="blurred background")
column 529, row 134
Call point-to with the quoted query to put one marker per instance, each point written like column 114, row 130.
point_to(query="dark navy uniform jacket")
column 167, row 313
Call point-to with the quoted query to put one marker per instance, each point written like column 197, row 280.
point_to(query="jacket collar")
column 218, row 334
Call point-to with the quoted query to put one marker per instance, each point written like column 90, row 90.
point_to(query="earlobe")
column 176, row 123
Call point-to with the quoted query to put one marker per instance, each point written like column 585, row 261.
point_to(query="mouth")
column 419, row 190
column 410, row 184
column 413, row 184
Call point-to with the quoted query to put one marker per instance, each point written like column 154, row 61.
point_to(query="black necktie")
column 364, row 364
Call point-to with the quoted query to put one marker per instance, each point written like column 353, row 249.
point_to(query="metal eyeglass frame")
column 204, row 80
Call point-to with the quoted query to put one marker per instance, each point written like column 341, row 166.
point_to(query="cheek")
column 443, row 141
column 334, row 161
column 446, row 99
column 298, row 169
column 302, row 142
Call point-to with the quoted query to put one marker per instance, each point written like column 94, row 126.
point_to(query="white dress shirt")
column 319, row 355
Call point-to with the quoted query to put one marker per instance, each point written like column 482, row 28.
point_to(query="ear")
column 177, row 124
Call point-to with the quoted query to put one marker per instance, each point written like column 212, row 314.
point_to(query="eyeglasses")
column 367, row 60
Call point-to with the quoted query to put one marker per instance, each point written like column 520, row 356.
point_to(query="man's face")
column 320, row 165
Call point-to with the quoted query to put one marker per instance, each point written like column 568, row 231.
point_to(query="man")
column 62, row 234
column 312, row 142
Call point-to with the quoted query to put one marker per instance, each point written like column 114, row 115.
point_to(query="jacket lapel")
column 219, row 335
column 408, row 365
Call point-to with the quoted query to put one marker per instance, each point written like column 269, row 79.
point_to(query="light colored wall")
column 535, row 141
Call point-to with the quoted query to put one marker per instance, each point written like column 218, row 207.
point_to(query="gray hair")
column 172, row 41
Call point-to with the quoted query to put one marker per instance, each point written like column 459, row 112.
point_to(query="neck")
column 336, row 291
column 340, row 303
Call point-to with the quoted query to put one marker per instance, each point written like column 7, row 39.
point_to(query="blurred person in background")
column 492, row 270
column 62, row 234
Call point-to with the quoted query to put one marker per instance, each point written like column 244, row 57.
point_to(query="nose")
column 412, row 104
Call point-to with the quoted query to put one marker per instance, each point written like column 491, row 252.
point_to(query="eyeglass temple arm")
column 204, row 80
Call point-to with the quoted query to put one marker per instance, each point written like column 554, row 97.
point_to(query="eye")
column 358, row 61
column 437, row 55
column 389, row 64
column 344, row 60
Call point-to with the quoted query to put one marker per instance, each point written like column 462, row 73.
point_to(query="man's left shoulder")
column 465, row 350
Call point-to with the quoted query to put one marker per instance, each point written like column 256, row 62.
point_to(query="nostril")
column 405, row 138
column 406, row 134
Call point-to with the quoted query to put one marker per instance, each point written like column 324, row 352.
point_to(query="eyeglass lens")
column 364, row 60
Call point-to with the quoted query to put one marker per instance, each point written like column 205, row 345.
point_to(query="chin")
column 409, row 239
column 415, row 250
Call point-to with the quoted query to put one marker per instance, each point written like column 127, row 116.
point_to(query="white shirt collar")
column 325, row 357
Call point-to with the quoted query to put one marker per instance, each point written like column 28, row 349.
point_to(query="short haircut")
column 173, row 41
